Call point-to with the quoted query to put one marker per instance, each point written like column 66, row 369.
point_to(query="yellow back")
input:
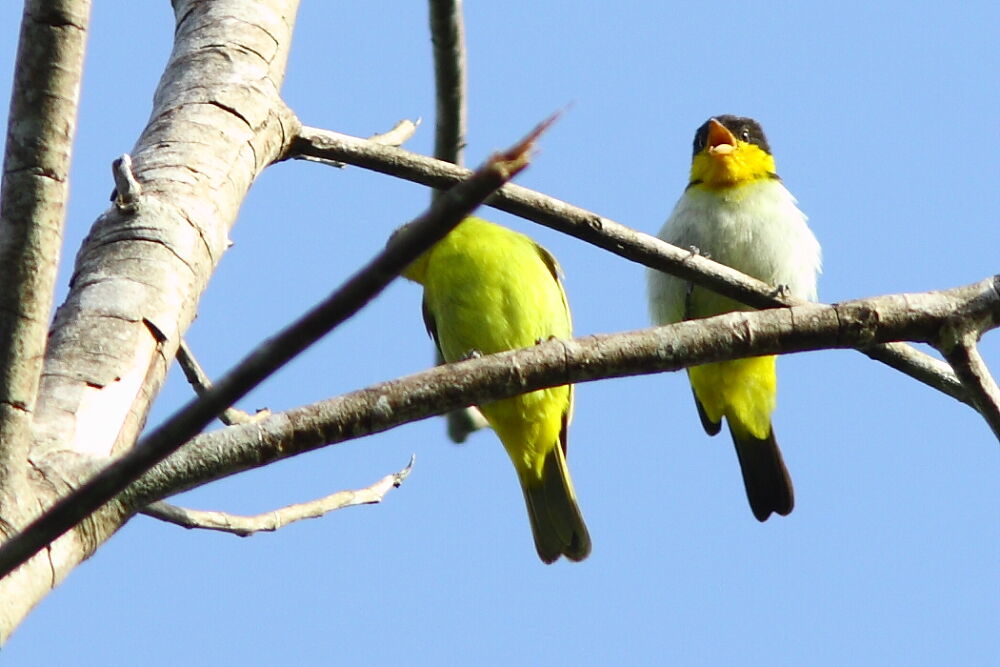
column 489, row 289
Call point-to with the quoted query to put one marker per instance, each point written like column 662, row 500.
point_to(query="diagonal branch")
column 33, row 199
column 198, row 379
column 408, row 243
column 604, row 233
column 853, row 324
column 245, row 526
column 958, row 341
column 971, row 369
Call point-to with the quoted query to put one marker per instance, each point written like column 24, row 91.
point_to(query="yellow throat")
column 728, row 161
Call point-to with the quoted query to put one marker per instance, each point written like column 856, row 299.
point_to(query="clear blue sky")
column 883, row 123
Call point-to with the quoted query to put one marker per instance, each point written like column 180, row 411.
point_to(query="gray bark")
column 217, row 121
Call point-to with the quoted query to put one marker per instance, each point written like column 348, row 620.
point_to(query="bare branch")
column 399, row 134
column 448, row 37
column 975, row 376
column 197, row 378
column 33, row 196
column 270, row 521
column 919, row 366
column 408, row 243
column 127, row 188
column 853, row 324
column 958, row 343
column 604, row 233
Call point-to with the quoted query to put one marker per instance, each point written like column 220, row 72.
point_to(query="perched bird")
column 488, row 289
column 736, row 211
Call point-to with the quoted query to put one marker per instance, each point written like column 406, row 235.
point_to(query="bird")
column 737, row 211
column 488, row 289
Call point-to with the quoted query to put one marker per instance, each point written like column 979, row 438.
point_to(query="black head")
column 744, row 129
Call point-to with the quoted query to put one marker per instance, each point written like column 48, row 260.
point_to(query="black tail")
column 769, row 488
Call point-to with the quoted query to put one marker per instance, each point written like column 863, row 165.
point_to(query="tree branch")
column 604, row 233
column 958, row 343
column 33, row 196
column 197, row 378
column 408, row 243
column 448, row 38
column 279, row 518
column 853, row 324
column 972, row 370
column 922, row 367
column 397, row 135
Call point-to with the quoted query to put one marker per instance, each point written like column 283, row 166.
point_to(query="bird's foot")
column 695, row 250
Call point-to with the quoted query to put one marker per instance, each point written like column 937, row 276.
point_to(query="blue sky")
column 882, row 121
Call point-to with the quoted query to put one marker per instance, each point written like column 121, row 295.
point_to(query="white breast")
column 756, row 229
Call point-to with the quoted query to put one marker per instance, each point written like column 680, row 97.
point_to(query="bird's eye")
column 699, row 141
column 745, row 135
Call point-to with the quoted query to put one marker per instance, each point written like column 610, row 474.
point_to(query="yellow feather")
column 746, row 164
column 743, row 391
column 488, row 289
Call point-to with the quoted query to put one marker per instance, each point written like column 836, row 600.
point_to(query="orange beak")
column 720, row 140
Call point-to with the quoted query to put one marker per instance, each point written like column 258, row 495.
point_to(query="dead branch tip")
column 517, row 157
column 405, row 472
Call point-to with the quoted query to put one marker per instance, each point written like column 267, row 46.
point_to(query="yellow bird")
column 488, row 289
column 736, row 211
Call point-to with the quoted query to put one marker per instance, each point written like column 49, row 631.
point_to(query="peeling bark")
column 217, row 121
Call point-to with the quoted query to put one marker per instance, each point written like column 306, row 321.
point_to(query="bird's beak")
column 720, row 140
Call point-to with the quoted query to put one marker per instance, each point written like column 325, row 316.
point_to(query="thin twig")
column 604, row 233
column 244, row 526
column 407, row 244
column 400, row 133
column 128, row 190
column 197, row 378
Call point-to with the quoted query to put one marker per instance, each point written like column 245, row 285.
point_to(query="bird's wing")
column 430, row 324
column 554, row 268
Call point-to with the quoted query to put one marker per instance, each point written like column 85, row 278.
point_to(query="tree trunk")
column 217, row 121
